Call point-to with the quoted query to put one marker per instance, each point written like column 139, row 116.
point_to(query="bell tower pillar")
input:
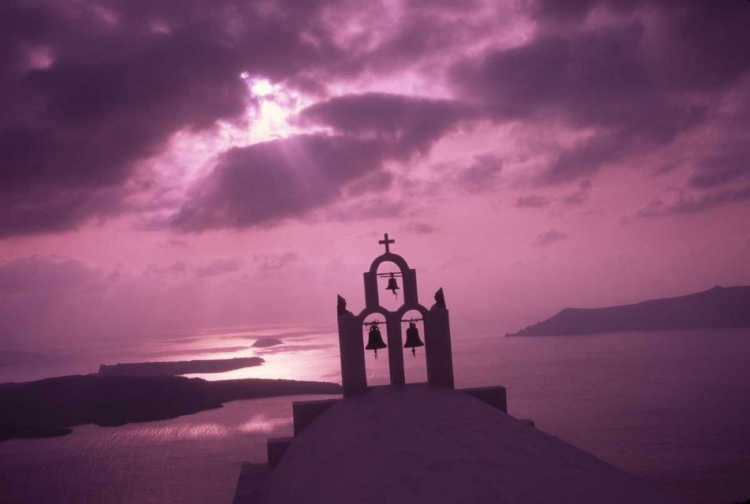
column 395, row 350
column 352, row 350
column 437, row 344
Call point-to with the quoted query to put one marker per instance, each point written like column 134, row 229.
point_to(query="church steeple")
column 436, row 328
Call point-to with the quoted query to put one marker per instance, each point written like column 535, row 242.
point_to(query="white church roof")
column 422, row 444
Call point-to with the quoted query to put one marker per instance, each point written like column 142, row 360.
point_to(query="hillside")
column 179, row 367
column 717, row 307
column 50, row 407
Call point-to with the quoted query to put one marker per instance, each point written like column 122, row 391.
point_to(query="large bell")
column 412, row 338
column 375, row 340
column 392, row 285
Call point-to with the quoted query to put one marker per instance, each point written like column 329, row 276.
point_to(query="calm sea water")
column 672, row 407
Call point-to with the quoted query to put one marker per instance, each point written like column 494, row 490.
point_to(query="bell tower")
column 437, row 338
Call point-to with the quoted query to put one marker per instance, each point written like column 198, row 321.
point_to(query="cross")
column 387, row 242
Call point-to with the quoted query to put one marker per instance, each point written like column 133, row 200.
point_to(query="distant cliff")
column 717, row 307
column 179, row 367
column 50, row 407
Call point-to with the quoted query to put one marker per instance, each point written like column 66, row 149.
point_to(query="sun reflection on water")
column 263, row 424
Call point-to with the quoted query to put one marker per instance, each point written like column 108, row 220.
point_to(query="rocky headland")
column 50, row 407
column 179, row 367
column 720, row 307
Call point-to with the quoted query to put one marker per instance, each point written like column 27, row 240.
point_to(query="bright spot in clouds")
column 261, row 87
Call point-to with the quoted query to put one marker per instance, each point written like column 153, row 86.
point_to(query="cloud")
column 692, row 44
column 722, row 168
column 90, row 91
column 595, row 80
column 94, row 92
column 268, row 182
column 196, row 269
column 548, row 237
column 406, row 124
column 481, row 173
column 175, row 243
column 218, row 267
column 264, row 184
column 532, row 201
column 272, row 262
column 586, row 76
column 580, row 196
column 686, row 204
column 420, row 228
column 575, row 198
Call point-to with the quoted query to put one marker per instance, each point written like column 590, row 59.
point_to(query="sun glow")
column 275, row 104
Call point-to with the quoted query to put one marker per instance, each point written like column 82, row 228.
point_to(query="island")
column 50, row 407
column 720, row 307
column 267, row 342
column 179, row 367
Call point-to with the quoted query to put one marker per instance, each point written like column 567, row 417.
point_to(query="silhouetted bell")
column 412, row 338
column 375, row 340
column 392, row 285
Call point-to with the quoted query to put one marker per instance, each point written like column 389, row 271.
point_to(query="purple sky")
column 182, row 164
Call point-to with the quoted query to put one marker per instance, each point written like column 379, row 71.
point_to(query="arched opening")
column 389, row 275
column 376, row 364
column 415, row 360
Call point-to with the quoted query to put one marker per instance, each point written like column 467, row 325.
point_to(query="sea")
column 671, row 407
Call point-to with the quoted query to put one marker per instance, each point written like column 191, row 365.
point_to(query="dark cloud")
column 591, row 78
column 608, row 81
column 91, row 88
column 722, row 168
column 272, row 181
column 532, row 201
column 94, row 89
column 548, row 237
column 266, row 183
column 575, row 10
column 406, row 124
column 370, row 183
column 692, row 45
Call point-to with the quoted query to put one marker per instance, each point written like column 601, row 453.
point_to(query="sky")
column 182, row 165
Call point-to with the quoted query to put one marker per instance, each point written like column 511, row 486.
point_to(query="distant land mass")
column 267, row 342
column 48, row 408
column 720, row 307
column 179, row 367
